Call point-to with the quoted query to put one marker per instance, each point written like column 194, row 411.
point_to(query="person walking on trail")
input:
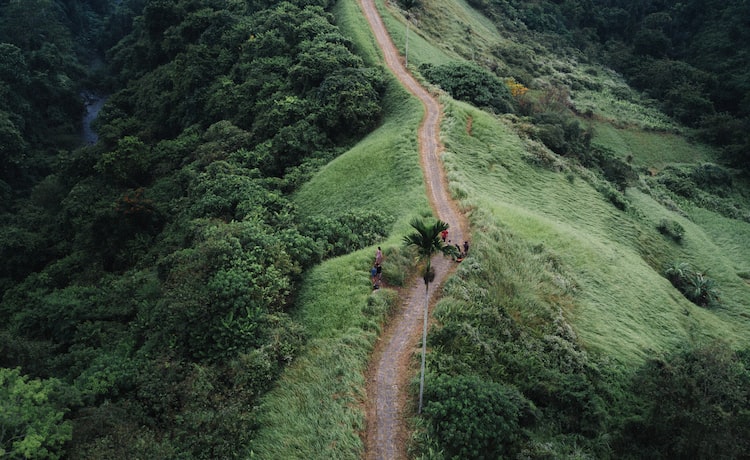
column 374, row 276
column 466, row 248
column 378, row 256
column 378, row 273
column 444, row 234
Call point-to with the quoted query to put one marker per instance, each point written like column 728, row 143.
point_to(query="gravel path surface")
column 391, row 366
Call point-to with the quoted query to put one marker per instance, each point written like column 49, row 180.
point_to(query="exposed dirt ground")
column 392, row 366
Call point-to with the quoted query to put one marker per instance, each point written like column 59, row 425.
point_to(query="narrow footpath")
column 390, row 369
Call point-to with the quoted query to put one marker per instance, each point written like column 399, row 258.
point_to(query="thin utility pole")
column 406, row 60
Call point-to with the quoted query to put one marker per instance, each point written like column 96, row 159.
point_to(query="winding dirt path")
column 390, row 368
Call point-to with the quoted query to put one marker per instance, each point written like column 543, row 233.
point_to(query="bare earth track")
column 390, row 369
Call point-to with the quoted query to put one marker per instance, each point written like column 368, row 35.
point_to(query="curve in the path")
column 387, row 396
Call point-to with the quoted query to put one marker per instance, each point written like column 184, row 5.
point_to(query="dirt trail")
column 390, row 368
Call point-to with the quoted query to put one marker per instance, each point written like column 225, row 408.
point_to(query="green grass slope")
column 607, row 262
column 315, row 410
column 624, row 307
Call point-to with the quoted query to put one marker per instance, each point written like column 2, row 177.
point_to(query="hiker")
column 466, row 248
column 379, row 272
column 444, row 234
column 378, row 256
column 373, row 276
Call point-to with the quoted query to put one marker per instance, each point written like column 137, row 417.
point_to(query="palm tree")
column 428, row 242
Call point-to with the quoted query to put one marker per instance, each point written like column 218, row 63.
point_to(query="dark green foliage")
column 475, row 418
column 562, row 133
column 349, row 232
column 707, row 185
column 695, row 285
column 695, row 404
column 692, row 56
column 153, row 272
column 672, row 229
column 471, row 83
column 730, row 133
column 677, row 181
column 712, row 178
column 284, row 74
column 409, row 4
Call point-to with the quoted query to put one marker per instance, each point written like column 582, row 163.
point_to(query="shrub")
column 471, row 83
column 671, row 229
column 695, row 405
column 712, row 178
column 474, row 418
column 694, row 285
column 614, row 196
column 562, row 132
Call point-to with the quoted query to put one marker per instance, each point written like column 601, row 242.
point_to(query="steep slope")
column 618, row 251
column 571, row 265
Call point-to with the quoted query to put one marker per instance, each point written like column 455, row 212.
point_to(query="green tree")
column 471, row 83
column 696, row 405
column 31, row 422
column 426, row 239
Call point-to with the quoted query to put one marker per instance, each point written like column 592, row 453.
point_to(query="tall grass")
column 650, row 149
column 624, row 307
column 551, row 242
column 422, row 48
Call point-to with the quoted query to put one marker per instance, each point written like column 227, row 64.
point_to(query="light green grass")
column 354, row 26
column 315, row 411
column 380, row 173
column 624, row 307
column 422, row 48
column 615, row 103
column 651, row 149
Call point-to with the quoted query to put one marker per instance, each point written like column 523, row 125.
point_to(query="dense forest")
column 147, row 279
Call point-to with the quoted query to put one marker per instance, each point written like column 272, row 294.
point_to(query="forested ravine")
column 390, row 369
column 93, row 104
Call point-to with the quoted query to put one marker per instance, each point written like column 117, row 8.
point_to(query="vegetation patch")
column 672, row 229
column 471, row 83
column 695, row 285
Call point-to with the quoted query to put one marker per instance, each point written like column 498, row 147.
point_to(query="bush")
column 471, row 83
column 694, row 285
column 695, row 405
column 712, row 178
column 562, row 133
column 32, row 422
column 671, row 229
column 474, row 418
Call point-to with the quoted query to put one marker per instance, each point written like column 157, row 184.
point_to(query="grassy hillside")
column 624, row 307
column 314, row 411
column 551, row 245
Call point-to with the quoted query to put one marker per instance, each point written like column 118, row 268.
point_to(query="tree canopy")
column 147, row 278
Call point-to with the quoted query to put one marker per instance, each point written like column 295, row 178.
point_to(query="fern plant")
column 694, row 285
